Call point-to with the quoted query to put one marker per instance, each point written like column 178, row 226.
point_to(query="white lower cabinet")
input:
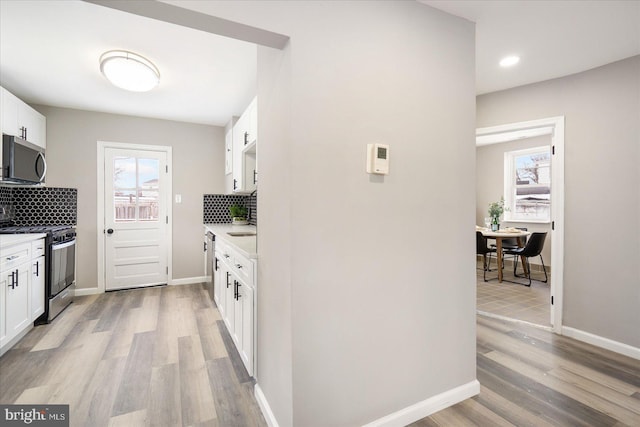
column 245, row 340
column 18, row 309
column 234, row 296
column 21, row 290
column 37, row 287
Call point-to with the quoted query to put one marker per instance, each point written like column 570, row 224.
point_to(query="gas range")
column 60, row 245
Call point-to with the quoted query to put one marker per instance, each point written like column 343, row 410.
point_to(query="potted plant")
column 238, row 214
column 495, row 210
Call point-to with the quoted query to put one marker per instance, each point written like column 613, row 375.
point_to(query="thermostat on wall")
column 378, row 159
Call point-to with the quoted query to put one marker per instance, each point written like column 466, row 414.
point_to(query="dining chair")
column 511, row 243
column 533, row 248
column 483, row 249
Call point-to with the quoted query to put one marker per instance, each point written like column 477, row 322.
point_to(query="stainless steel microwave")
column 22, row 161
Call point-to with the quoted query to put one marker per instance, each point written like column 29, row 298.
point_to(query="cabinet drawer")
column 37, row 248
column 243, row 267
column 15, row 255
column 224, row 252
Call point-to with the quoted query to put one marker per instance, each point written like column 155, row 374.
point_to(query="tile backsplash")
column 40, row 205
column 216, row 207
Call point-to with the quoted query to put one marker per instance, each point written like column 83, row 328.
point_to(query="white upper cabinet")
column 245, row 138
column 228, row 152
column 19, row 119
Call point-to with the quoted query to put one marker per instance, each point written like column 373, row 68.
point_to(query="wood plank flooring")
column 531, row 377
column 146, row 357
column 163, row 357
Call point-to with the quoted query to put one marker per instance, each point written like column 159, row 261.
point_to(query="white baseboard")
column 427, row 407
column 188, row 280
column 598, row 341
column 264, row 407
column 87, row 291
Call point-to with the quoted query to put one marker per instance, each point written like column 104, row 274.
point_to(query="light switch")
column 178, row 198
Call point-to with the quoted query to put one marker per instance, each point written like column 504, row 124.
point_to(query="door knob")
column 110, row 231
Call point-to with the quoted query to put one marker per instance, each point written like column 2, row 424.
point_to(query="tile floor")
column 512, row 300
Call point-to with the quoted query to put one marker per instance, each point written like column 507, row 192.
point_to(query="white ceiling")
column 49, row 52
column 552, row 38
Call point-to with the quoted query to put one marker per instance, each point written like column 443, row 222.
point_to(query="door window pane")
column 148, row 173
column 148, row 205
column 136, row 189
column 124, row 204
column 124, row 172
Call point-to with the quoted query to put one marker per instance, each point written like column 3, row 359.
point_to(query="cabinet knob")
column 110, row 231
column 238, row 265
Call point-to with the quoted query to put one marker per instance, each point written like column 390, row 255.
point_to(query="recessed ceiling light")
column 128, row 70
column 509, row 61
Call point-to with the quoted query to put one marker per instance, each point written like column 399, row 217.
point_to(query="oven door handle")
column 57, row 246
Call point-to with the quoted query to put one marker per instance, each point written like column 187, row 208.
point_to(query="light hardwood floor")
column 156, row 356
column 162, row 357
column 531, row 377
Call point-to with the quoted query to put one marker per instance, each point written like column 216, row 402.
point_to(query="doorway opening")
column 540, row 304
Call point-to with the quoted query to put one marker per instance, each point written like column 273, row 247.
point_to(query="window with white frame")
column 527, row 185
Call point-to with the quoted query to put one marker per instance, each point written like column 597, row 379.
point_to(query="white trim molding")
column 87, row 291
column 264, row 407
column 602, row 342
column 427, row 407
column 188, row 280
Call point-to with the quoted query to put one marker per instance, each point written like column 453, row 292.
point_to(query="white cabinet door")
column 19, row 119
column 252, row 112
column 9, row 118
column 229, row 301
column 217, row 280
column 5, row 281
column 228, row 152
column 237, row 323
column 17, row 300
column 245, row 134
column 34, row 125
column 238, row 145
column 245, row 300
column 37, row 287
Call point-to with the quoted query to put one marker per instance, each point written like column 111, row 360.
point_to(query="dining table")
column 499, row 236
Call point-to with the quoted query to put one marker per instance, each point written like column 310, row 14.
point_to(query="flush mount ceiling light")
column 129, row 71
column 509, row 61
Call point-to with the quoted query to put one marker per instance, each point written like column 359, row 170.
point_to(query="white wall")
column 364, row 305
column 198, row 168
column 490, row 185
column 602, row 189
column 376, row 296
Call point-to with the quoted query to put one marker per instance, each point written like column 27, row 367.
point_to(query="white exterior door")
column 135, row 193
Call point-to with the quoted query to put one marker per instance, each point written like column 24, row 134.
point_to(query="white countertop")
column 245, row 245
column 7, row 240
